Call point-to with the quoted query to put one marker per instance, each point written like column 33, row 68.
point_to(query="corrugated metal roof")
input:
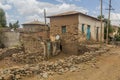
column 65, row 13
column 72, row 13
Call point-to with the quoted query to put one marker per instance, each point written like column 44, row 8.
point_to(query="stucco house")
column 34, row 26
column 73, row 28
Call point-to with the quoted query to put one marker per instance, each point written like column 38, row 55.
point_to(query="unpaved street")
column 104, row 67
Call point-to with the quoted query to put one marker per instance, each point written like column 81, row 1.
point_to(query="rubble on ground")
column 86, row 48
column 8, row 52
column 19, row 56
column 25, row 58
column 47, row 68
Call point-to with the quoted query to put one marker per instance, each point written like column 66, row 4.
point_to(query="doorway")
column 97, row 34
column 60, row 47
column 88, row 32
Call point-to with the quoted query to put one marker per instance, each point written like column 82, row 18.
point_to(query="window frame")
column 83, row 28
column 64, row 29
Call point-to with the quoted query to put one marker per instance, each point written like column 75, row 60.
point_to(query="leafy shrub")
column 117, row 37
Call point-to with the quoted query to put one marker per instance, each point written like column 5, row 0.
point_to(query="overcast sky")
column 29, row 10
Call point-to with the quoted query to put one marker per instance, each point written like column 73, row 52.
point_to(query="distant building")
column 39, row 28
column 115, row 31
column 73, row 28
column 35, row 26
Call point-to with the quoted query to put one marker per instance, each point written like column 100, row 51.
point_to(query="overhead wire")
column 116, row 14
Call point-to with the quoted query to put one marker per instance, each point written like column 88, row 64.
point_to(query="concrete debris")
column 46, row 68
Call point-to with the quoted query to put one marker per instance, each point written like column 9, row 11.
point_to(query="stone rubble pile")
column 82, row 48
column 47, row 68
column 30, row 58
column 19, row 56
column 8, row 52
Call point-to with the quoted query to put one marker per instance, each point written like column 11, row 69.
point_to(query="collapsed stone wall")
column 81, row 37
column 31, row 43
column 47, row 68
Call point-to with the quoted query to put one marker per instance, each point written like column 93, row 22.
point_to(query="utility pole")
column 45, row 42
column 45, row 19
column 108, row 22
column 101, row 36
column 45, row 15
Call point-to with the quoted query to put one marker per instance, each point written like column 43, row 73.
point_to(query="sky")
column 30, row 10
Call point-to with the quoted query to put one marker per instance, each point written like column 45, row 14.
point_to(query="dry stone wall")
column 31, row 43
column 69, row 40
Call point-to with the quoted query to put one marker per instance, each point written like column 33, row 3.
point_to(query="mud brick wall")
column 31, row 43
column 44, row 34
column 69, row 40
column 81, row 37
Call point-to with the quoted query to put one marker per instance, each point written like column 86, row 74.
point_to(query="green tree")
column 99, row 17
column 14, row 25
column 117, row 36
column 2, row 18
column 10, row 25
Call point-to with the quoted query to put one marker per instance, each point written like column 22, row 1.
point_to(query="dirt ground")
column 104, row 67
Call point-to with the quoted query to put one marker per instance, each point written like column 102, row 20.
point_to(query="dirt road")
column 104, row 67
